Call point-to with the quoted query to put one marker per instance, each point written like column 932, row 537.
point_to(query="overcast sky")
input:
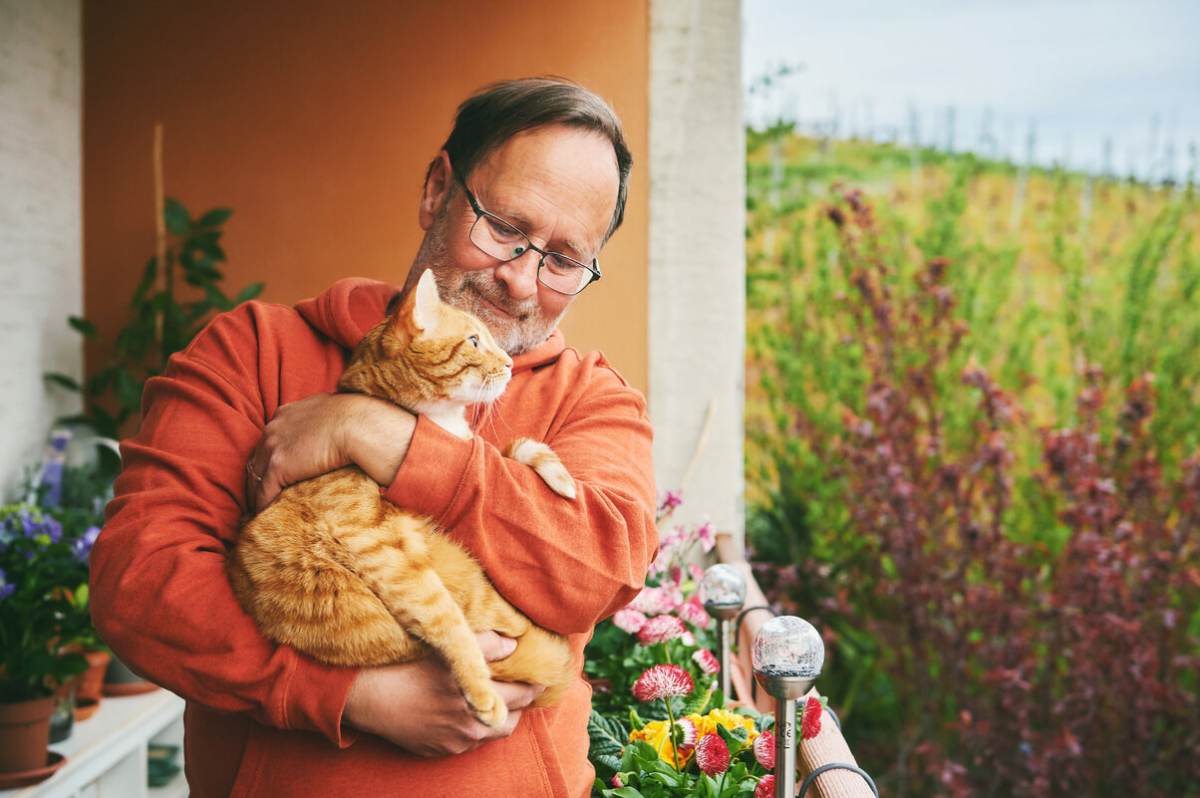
column 1080, row 70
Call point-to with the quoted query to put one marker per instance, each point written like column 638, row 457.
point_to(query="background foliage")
column 972, row 432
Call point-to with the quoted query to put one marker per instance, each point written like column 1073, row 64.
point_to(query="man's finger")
column 495, row 646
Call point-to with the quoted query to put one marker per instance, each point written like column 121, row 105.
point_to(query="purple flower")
column 82, row 547
column 6, row 588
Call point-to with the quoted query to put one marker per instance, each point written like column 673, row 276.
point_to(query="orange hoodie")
column 264, row 720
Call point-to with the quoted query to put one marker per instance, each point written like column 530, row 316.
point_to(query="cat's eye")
column 474, row 339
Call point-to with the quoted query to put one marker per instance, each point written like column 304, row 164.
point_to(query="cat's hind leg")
column 542, row 459
column 396, row 568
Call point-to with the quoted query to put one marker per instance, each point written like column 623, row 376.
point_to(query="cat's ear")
column 420, row 309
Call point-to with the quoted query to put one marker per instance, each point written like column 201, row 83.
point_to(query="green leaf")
column 62, row 380
column 249, row 292
column 215, row 217
column 149, row 275
column 624, row 792
column 176, row 217
column 82, row 326
column 217, row 297
column 129, row 392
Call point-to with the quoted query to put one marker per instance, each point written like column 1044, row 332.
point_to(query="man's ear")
column 439, row 181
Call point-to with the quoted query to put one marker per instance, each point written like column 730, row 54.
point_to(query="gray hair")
column 498, row 112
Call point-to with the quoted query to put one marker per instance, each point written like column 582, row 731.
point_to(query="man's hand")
column 419, row 707
column 322, row 433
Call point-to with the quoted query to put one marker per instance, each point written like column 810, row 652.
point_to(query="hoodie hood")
column 354, row 305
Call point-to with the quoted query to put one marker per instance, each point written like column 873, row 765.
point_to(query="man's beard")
column 524, row 327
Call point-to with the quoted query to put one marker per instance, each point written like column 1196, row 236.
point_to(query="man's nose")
column 519, row 275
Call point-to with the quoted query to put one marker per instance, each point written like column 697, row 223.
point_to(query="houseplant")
column 37, row 566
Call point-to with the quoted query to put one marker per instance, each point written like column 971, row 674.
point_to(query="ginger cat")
column 336, row 572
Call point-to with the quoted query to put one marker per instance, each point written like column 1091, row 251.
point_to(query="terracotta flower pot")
column 91, row 681
column 25, row 734
column 85, row 708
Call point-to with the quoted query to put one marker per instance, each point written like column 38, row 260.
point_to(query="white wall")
column 697, row 253
column 40, row 222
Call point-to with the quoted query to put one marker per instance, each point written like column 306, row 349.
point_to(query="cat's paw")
column 488, row 706
column 542, row 459
column 557, row 478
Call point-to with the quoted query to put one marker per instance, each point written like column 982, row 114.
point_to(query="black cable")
column 837, row 766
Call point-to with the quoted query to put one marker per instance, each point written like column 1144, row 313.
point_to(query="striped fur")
column 337, row 573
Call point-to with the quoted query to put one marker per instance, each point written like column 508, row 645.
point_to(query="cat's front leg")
column 542, row 459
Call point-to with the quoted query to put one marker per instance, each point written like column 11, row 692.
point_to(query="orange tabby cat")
column 333, row 570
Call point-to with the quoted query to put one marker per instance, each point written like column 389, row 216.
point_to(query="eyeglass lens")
column 505, row 242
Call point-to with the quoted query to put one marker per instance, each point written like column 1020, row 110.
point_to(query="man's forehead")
column 569, row 170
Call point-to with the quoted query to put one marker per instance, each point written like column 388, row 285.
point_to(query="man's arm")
column 566, row 564
column 159, row 593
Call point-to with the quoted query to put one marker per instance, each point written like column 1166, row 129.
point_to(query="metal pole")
column 785, row 748
column 726, row 645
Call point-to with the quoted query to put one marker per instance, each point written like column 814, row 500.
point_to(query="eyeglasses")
column 505, row 242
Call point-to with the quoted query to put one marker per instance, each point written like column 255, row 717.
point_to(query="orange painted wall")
column 315, row 121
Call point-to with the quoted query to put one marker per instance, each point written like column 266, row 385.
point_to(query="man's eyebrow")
column 524, row 225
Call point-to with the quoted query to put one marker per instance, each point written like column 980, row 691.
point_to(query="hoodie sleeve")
column 566, row 564
column 159, row 594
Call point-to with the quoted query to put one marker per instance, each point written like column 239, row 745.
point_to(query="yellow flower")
column 707, row 724
column 658, row 734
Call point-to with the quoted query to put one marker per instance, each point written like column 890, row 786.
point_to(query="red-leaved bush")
column 1057, row 661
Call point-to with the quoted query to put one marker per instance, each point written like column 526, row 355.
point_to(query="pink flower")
column 661, row 681
column 657, row 600
column 660, row 629
column 712, row 755
column 688, row 639
column 707, row 661
column 671, row 500
column 708, row 535
column 688, row 739
column 630, row 621
column 764, row 750
column 696, row 571
column 766, row 787
column 616, row 780
column 810, row 726
column 693, row 612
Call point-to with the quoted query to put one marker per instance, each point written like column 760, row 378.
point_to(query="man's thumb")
column 496, row 646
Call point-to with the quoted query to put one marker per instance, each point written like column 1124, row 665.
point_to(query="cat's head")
column 427, row 356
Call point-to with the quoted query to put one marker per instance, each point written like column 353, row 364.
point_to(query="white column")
column 697, row 254
column 40, row 222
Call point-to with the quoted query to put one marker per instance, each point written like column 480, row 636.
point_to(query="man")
column 247, row 409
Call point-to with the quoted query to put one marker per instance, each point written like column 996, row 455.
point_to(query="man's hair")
column 498, row 112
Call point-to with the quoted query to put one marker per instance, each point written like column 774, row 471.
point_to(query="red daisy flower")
column 764, row 750
column 660, row 629
column 712, row 755
column 662, row 681
column 766, row 787
column 687, row 741
column 707, row 661
column 810, row 726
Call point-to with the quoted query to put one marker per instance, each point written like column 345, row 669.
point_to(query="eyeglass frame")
column 593, row 270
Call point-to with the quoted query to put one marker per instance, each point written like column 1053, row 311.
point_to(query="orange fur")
column 336, row 572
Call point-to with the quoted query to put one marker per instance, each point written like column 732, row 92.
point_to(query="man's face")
column 556, row 184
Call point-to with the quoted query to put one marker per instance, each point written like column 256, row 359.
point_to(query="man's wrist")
column 376, row 437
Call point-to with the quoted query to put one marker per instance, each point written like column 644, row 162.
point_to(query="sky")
column 1078, row 72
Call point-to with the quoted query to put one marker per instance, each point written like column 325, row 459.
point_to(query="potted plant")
column 36, row 566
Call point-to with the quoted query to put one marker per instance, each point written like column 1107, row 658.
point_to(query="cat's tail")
column 542, row 459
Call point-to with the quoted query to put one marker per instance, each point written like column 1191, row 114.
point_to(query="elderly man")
column 247, row 409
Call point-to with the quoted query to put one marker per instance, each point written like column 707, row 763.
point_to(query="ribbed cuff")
column 315, row 699
column 432, row 472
